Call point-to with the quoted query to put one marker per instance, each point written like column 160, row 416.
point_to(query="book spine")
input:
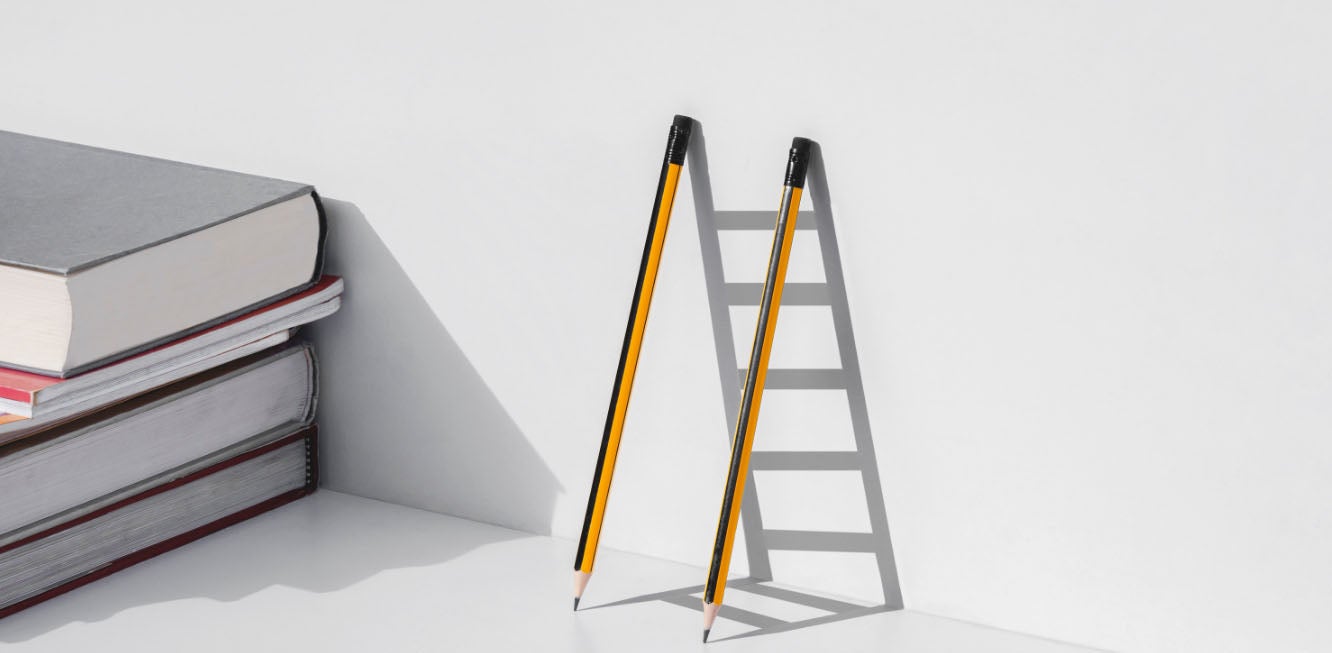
column 323, row 236
column 312, row 459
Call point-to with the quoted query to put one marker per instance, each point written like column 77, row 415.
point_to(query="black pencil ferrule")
column 678, row 141
column 798, row 163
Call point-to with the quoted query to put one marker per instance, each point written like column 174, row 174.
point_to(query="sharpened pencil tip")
column 576, row 604
column 705, row 634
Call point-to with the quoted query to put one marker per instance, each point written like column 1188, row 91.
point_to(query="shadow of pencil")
column 880, row 540
column 759, row 541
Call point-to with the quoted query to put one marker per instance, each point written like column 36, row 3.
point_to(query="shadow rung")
column 729, row 612
column 793, row 294
column 820, row 541
column 801, row 379
column 758, row 220
column 801, row 598
column 805, row 460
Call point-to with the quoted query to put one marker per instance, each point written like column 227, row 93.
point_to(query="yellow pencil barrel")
column 676, row 144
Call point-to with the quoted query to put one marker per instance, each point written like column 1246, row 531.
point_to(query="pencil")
column 676, row 142
column 743, row 442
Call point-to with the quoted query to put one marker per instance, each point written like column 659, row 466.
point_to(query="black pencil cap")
column 678, row 141
column 798, row 163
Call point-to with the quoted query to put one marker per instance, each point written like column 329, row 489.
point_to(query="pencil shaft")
column 633, row 339
column 742, row 444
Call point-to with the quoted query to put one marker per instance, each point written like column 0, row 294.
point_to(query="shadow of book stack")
column 818, row 556
column 151, row 388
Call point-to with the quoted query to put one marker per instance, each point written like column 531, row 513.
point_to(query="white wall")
column 1087, row 246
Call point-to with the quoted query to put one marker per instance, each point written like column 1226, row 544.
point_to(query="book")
column 67, row 466
column 27, row 394
column 107, row 254
column 126, row 527
column 13, row 427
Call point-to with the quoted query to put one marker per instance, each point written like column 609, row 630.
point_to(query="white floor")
column 335, row 572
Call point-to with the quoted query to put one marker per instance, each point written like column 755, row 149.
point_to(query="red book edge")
column 309, row 434
column 17, row 385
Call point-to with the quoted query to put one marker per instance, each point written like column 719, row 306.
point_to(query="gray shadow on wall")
column 404, row 416
column 830, row 294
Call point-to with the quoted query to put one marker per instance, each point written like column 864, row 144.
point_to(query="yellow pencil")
column 743, row 442
column 676, row 143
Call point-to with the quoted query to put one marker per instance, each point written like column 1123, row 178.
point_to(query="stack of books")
column 151, row 391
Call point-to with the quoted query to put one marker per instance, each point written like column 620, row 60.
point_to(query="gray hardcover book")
column 59, row 469
column 121, row 529
column 105, row 254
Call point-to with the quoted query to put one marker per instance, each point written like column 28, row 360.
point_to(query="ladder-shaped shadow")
column 831, row 293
